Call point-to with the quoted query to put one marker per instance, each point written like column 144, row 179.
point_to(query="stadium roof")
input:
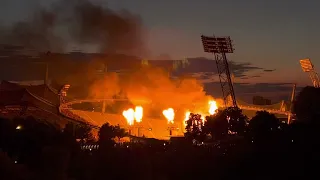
column 14, row 94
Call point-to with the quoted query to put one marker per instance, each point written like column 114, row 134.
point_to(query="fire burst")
column 133, row 115
column 138, row 113
column 187, row 116
column 169, row 114
column 213, row 107
column 129, row 115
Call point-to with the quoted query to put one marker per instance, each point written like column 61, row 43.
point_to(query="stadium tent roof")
column 43, row 92
column 14, row 94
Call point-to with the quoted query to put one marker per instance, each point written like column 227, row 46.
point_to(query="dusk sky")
column 270, row 34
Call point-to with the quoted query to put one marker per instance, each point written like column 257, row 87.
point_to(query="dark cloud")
column 269, row 70
column 240, row 69
column 245, row 91
column 241, row 76
column 206, row 69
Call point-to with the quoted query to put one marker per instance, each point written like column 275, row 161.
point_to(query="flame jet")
column 138, row 114
column 129, row 115
column 212, row 107
column 132, row 115
column 169, row 115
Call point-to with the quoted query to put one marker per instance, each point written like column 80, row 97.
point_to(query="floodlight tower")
column 219, row 46
column 293, row 94
column 308, row 67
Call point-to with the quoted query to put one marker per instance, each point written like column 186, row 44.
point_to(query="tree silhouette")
column 217, row 125
column 10, row 170
column 120, row 132
column 237, row 120
column 263, row 125
column 106, row 135
column 82, row 132
column 7, row 130
column 194, row 128
column 306, row 105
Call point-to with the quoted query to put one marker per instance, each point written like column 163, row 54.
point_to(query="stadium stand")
column 37, row 101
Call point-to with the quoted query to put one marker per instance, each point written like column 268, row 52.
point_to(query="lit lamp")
column 308, row 67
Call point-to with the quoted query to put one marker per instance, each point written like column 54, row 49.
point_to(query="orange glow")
column 129, row 115
column 138, row 114
column 212, row 107
column 169, row 114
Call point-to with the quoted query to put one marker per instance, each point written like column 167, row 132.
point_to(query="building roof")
column 19, row 92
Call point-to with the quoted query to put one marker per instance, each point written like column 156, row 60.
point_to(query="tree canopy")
column 306, row 105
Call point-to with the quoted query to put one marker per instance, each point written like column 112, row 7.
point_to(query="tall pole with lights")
column 219, row 47
column 308, row 67
column 293, row 94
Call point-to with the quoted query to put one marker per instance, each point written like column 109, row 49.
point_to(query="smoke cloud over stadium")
column 114, row 32
column 78, row 21
column 152, row 85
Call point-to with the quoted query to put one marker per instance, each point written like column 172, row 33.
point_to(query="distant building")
column 259, row 100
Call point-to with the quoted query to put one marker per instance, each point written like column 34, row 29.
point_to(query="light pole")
column 138, row 126
column 308, row 67
column 291, row 103
column 219, row 46
column 171, row 129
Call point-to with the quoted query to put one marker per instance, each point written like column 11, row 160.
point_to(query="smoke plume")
column 153, row 86
column 80, row 22
column 36, row 33
column 106, row 87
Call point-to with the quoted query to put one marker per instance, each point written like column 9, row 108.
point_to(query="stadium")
column 58, row 104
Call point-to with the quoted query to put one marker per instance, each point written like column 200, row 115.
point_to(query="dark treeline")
column 226, row 146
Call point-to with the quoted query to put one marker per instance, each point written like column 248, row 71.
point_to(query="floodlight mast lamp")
column 219, row 46
column 315, row 79
column 308, row 67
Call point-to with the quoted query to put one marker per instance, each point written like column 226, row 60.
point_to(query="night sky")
column 270, row 34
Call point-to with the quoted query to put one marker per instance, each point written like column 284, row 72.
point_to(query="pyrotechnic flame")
column 169, row 114
column 133, row 115
column 138, row 114
column 186, row 118
column 213, row 107
column 129, row 115
column 187, row 115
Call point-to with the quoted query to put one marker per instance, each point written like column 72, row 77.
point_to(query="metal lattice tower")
column 308, row 67
column 219, row 46
column 293, row 94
